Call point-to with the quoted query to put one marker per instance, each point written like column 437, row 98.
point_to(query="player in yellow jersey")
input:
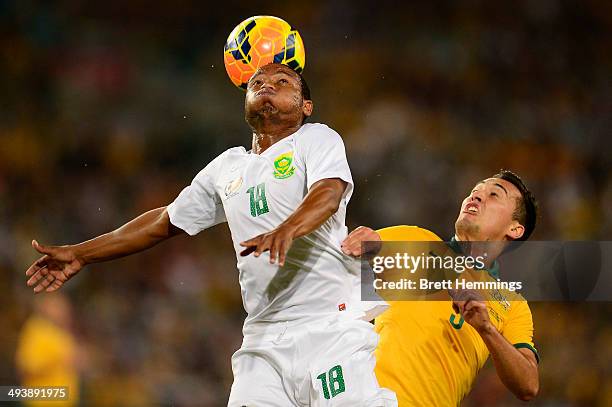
column 430, row 352
column 47, row 351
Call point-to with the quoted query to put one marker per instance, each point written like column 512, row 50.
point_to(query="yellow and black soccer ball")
column 258, row 41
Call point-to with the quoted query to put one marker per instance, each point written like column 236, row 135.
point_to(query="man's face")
column 486, row 214
column 276, row 89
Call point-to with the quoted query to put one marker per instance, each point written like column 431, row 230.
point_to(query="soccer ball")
column 258, row 41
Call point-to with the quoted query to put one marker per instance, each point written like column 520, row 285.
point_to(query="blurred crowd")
column 110, row 109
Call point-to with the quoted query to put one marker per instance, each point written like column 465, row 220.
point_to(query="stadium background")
column 109, row 109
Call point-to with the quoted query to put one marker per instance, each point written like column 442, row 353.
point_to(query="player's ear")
column 307, row 108
column 516, row 231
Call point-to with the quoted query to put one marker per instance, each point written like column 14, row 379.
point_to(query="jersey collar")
column 279, row 143
column 456, row 247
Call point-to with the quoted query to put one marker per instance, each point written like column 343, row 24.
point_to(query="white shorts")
column 326, row 363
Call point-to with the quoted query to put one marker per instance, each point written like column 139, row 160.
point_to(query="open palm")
column 52, row 270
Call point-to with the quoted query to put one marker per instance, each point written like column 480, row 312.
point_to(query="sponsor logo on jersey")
column 232, row 187
column 494, row 315
column 499, row 297
column 283, row 166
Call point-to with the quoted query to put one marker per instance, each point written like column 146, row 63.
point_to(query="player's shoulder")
column 317, row 127
column 231, row 153
column 317, row 133
column 407, row 233
column 235, row 151
column 519, row 304
column 227, row 157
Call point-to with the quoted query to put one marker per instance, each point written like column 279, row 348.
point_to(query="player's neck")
column 270, row 133
column 489, row 249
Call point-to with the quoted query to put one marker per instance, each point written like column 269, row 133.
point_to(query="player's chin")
column 264, row 104
column 466, row 217
column 465, row 222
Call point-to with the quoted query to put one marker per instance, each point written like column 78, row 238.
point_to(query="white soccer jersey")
column 254, row 194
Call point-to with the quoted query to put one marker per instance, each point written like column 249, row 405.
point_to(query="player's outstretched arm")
column 321, row 202
column 60, row 263
column 517, row 368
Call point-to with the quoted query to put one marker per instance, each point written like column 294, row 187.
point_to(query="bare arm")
column 60, row 263
column 138, row 234
column 517, row 368
column 319, row 204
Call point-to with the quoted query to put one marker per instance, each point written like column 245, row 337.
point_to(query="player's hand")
column 352, row 244
column 277, row 241
column 473, row 308
column 51, row 271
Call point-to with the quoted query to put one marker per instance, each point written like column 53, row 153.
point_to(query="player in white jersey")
column 305, row 340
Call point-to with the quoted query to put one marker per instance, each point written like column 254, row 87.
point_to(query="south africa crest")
column 283, row 166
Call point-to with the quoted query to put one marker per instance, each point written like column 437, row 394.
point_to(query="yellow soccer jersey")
column 426, row 353
column 46, row 357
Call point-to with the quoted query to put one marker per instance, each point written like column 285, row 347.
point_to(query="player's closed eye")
column 255, row 83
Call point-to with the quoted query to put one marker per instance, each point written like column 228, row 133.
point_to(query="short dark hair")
column 305, row 93
column 526, row 211
column 305, row 88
